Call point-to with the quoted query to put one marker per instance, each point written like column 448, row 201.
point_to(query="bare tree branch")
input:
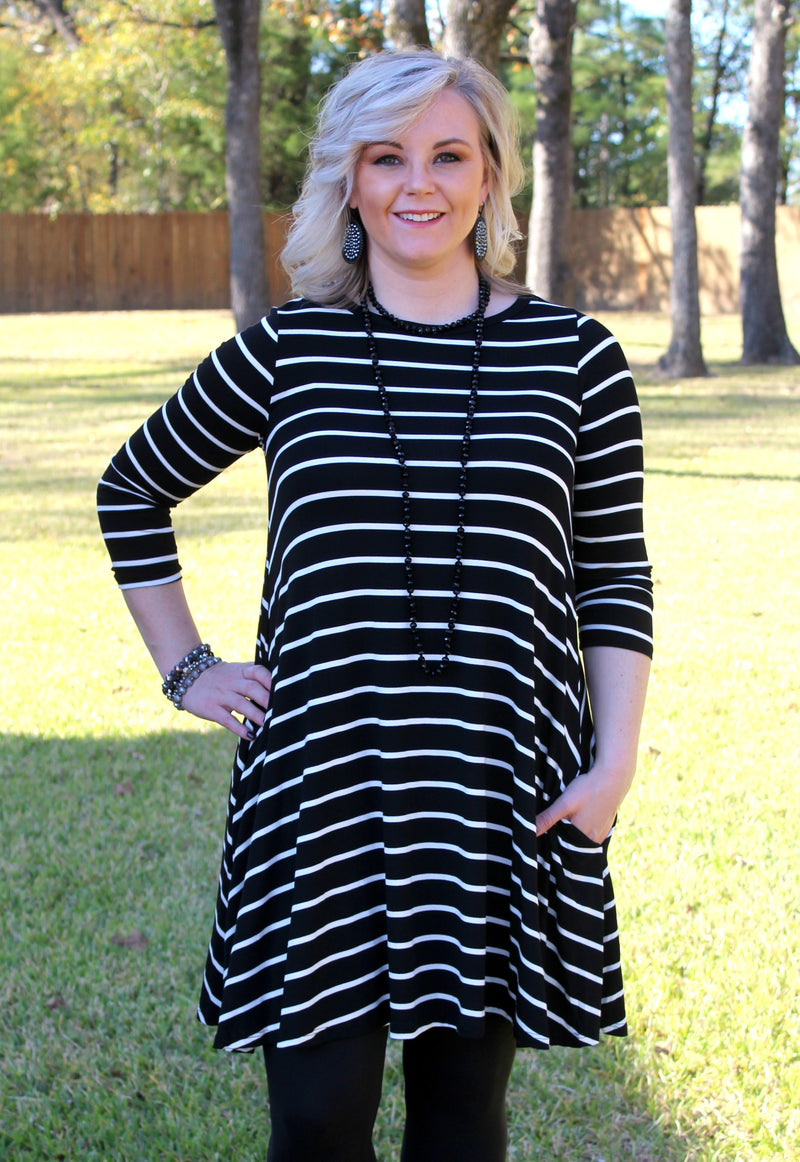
column 146, row 18
column 62, row 21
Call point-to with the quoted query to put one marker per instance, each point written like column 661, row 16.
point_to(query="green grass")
column 112, row 804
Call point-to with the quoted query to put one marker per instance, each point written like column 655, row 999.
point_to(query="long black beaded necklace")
column 424, row 329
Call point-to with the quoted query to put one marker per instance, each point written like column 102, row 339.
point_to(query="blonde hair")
column 378, row 99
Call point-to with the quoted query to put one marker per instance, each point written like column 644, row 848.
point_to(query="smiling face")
column 418, row 195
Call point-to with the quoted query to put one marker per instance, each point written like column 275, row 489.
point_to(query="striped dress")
column 380, row 862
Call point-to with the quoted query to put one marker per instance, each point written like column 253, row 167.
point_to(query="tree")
column 684, row 355
column 790, row 138
column 765, row 339
column 130, row 120
column 718, row 69
column 239, row 24
column 618, row 98
column 475, row 28
column 721, row 54
column 287, row 104
column 550, row 48
column 407, row 24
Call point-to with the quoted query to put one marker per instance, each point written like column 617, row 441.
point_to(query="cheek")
column 366, row 193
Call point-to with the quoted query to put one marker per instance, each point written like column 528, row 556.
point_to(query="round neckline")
column 489, row 320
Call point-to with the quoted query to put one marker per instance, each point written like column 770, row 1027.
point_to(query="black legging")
column 324, row 1099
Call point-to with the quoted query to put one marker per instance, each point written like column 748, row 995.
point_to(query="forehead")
column 448, row 116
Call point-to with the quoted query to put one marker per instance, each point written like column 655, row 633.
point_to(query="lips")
column 412, row 216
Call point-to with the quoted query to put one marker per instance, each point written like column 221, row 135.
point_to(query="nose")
column 419, row 178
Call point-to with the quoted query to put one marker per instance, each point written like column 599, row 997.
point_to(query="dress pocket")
column 573, row 837
column 575, row 925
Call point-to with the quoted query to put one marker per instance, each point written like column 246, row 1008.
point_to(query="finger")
column 257, row 695
column 545, row 820
column 550, row 816
column 237, row 727
column 246, row 708
column 561, row 808
column 220, row 714
column 257, row 673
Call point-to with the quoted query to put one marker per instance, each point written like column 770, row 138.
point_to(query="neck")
column 426, row 300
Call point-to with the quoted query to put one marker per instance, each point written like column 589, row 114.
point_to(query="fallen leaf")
column 133, row 940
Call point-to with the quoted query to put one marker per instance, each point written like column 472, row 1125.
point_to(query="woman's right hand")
column 220, row 693
column 229, row 689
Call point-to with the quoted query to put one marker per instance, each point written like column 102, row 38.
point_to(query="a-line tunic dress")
column 380, row 862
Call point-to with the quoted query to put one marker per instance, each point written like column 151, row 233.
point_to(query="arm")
column 165, row 622
column 219, row 414
column 617, row 681
column 613, row 584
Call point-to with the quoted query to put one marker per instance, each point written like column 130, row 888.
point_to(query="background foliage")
column 130, row 116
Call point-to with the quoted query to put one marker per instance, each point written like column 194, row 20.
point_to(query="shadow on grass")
column 89, row 371
column 701, row 474
column 109, row 850
column 712, row 407
column 62, row 500
column 105, row 394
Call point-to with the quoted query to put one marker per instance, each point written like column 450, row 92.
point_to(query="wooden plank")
column 77, row 261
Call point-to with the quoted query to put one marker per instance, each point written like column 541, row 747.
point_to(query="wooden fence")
column 118, row 262
column 83, row 262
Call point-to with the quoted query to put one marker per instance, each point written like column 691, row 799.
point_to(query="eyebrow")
column 437, row 144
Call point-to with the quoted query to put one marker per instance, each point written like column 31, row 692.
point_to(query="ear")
column 352, row 201
column 485, row 185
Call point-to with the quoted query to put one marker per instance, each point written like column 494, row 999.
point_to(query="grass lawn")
column 112, row 804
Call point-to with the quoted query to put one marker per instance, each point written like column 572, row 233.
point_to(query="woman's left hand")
column 616, row 680
column 590, row 803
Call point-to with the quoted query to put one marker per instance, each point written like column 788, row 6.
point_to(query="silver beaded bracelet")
column 186, row 672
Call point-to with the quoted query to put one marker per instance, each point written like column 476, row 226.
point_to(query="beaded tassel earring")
column 353, row 245
column 480, row 237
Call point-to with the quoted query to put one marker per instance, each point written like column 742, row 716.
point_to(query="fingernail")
column 250, row 735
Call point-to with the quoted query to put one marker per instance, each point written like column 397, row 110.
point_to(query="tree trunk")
column 684, row 355
column 473, row 28
column 765, row 339
column 550, row 51
column 62, row 21
column 407, row 24
column 238, row 23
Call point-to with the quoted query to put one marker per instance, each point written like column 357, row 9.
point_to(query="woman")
column 421, row 799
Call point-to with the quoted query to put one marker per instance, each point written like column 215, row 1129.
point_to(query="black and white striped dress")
column 380, row 862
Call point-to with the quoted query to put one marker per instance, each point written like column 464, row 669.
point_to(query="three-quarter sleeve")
column 219, row 414
column 614, row 592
